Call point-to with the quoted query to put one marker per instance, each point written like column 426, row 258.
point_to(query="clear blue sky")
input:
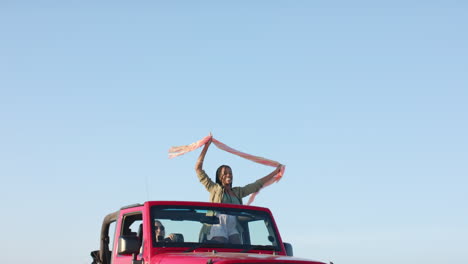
column 365, row 102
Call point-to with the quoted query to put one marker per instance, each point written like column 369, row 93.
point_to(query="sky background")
column 365, row 102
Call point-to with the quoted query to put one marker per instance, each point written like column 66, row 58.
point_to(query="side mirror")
column 95, row 256
column 129, row 245
column 289, row 249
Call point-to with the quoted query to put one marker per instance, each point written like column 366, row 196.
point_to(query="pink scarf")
column 180, row 150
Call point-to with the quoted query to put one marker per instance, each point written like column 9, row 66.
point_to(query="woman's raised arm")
column 271, row 175
column 201, row 158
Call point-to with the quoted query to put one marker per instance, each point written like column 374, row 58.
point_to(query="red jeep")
column 188, row 235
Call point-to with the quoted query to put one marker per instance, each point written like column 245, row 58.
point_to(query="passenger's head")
column 159, row 231
column 224, row 175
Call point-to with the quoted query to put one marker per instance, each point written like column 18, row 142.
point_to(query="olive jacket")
column 217, row 191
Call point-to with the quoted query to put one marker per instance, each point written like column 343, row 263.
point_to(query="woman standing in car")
column 222, row 191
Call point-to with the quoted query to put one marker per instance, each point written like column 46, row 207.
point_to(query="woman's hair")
column 218, row 172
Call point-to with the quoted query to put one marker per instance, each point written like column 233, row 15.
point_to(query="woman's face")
column 225, row 176
column 159, row 230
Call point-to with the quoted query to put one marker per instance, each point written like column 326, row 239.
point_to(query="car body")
column 192, row 229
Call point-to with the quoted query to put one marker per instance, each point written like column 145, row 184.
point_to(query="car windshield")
column 214, row 227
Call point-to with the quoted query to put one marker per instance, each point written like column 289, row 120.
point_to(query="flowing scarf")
column 180, row 150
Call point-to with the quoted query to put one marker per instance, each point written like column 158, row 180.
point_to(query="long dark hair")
column 218, row 172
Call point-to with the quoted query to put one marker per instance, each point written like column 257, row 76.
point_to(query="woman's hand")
column 209, row 140
column 278, row 169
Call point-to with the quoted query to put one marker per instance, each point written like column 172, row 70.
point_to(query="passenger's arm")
column 204, row 179
column 271, row 175
column 174, row 237
column 257, row 185
column 201, row 158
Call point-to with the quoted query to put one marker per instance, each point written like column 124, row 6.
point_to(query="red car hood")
column 224, row 258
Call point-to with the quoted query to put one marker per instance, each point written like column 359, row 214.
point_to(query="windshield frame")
column 205, row 214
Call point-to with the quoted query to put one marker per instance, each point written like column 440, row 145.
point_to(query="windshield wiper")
column 257, row 247
column 217, row 245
